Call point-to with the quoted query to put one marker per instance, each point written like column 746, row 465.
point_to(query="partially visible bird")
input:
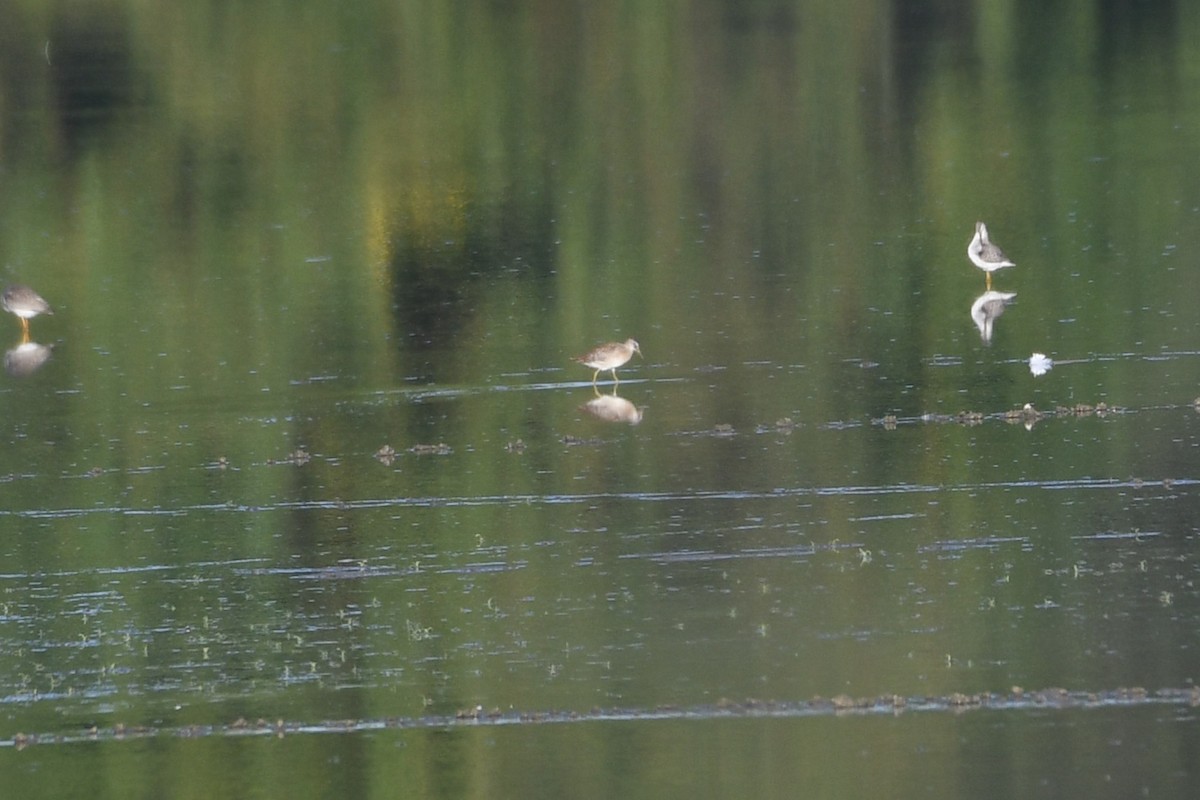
column 607, row 357
column 985, row 255
column 25, row 303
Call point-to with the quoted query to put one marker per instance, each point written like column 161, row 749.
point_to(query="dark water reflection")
column 311, row 446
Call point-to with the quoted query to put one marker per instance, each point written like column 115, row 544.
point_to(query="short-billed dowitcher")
column 25, row 303
column 607, row 357
column 985, row 255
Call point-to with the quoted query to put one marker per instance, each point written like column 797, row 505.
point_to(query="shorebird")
column 607, row 357
column 25, row 303
column 985, row 255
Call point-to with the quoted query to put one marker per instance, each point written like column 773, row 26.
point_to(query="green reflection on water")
column 333, row 229
column 913, row 755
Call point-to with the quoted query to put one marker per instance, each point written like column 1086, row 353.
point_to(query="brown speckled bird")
column 607, row 357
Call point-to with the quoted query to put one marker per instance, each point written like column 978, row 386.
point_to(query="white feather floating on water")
column 1040, row 364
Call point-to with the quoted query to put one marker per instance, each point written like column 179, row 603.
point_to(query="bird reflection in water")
column 987, row 308
column 611, row 408
column 26, row 358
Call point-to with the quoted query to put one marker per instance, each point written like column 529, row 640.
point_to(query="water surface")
column 309, row 455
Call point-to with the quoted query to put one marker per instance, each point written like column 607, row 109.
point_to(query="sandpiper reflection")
column 987, row 308
column 26, row 358
column 611, row 408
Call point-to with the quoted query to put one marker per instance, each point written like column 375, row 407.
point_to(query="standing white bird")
column 985, row 255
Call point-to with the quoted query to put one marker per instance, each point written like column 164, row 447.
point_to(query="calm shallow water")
column 310, row 446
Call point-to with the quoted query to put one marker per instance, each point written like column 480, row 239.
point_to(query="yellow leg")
column 989, row 280
column 24, row 330
column 595, row 375
column 615, row 380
